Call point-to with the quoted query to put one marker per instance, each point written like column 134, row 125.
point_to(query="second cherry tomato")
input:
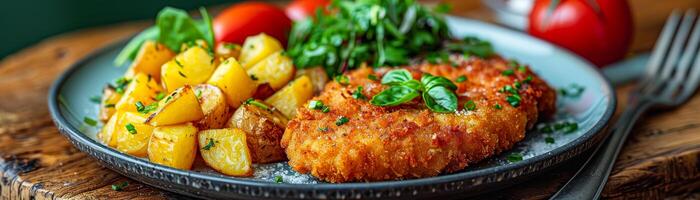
column 237, row 22
column 300, row 9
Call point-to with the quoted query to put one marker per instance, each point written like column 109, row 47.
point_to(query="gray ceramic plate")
column 69, row 103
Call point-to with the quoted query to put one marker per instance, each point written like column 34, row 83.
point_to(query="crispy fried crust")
column 410, row 141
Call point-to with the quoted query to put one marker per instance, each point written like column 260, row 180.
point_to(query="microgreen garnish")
column 572, row 91
column 357, row 94
column 89, row 121
column 342, row 79
column 120, row 186
column 514, row 157
column 470, row 105
column 130, row 128
column 257, row 103
column 342, row 120
column 461, row 78
column 382, row 33
column 278, row 179
column 210, row 144
column 437, row 92
column 96, row 99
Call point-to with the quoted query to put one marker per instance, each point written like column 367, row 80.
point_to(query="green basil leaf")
column 176, row 27
column 208, row 28
column 414, row 84
column 132, row 48
column 429, row 81
column 394, row 96
column 396, row 76
column 440, row 99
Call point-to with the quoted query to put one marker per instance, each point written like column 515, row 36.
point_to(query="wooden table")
column 660, row 160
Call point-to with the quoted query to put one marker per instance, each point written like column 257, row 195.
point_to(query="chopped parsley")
column 257, row 103
column 514, row 157
column 130, row 127
column 181, row 74
column 342, row 120
column 342, row 79
column 549, row 140
column 278, row 179
column 160, row 96
column 318, row 105
column 508, row 72
column 358, row 94
column 96, row 99
column 89, row 121
column 210, row 144
column 461, row 78
column 470, row 105
column 372, row 77
column 120, row 186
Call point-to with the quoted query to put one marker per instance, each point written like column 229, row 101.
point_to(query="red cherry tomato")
column 598, row 30
column 237, row 22
column 300, row 9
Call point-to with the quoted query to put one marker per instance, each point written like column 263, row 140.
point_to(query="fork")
column 670, row 81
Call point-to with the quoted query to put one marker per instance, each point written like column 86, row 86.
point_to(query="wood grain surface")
column 660, row 160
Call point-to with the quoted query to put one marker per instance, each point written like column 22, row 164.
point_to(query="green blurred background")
column 25, row 22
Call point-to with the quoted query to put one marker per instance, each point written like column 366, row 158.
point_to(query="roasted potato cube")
column 232, row 79
column 109, row 100
column 226, row 151
column 264, row 127
column 213, row 103
column 226, row 50
column 142, row 88
column 289, row 98
column 318, row 77
column 191, row 67
column 133, row 134
column 109, row 133
column 256, row 48
column 151, row 57
column 173, row 146
column 180, row 106
column 275, row 69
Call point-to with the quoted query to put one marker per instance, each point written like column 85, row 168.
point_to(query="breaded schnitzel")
column 409, row 140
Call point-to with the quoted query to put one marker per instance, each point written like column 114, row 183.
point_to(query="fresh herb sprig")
column 437, row 92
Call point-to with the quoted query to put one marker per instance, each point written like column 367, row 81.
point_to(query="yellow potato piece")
column 226, row 50
column 318, row 77
column 108, row 135
column 232, row 79
column 141, row 88
column 191, row 67
column 133, row 134
column 289, row 98
column 109, row 100
column 180, row 106
column 173, row 146
column 226, row 151
column 256, row 48
column 151, row 57
column 276, row 69
column 213, row 102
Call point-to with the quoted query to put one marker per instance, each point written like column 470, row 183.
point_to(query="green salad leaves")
column 173, row 28
column 437, row 92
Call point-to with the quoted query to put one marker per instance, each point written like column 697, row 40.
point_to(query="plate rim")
column 81, row 140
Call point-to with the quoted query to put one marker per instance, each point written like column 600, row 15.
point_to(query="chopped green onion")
column 461, row 78
column 323, row 129
column 130, row 127
column 513, row 100
column 514, row 157
column 120, row 186
column 372, row 77
column 498, row 106
column 508, row 72
column 342, row 79
column 89, row 121
column 160, row 96
column 257, row 103
column 342, row 120
column 549, row 140
column 209, row 145
column 278, row 179
column 358, row 93
column 96, row 99
column 470, row 105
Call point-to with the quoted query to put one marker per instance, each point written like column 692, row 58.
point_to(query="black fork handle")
column 589, row 181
